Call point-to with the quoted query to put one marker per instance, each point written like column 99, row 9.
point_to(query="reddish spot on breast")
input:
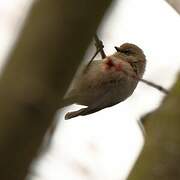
column 109, row 62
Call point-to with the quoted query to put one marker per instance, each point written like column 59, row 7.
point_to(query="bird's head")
column 133, row 55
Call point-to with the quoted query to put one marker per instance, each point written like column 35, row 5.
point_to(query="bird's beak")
column 117, row 48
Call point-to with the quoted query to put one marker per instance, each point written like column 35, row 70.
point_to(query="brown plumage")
column 108, row 81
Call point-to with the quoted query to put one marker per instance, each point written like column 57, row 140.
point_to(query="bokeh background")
column 106, row 144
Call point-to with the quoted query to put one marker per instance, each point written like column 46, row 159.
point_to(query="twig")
column 149, row 83
column 99, row 49
column 99, row 45
column 158, row 87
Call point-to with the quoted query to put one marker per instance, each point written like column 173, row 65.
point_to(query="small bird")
column 108, row 81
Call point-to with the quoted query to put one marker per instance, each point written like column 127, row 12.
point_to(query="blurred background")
column 106, row 144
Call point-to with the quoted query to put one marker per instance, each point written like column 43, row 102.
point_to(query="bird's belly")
column 108, row 94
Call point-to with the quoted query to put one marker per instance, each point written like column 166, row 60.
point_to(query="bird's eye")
column 126, row 51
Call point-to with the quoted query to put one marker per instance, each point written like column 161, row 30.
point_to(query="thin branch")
column 95, row 54
column 149, row 83
column 158, row 87
column 99, row 49
column 99, row 45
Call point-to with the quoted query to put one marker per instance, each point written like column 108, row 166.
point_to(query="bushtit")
column 108, row 81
